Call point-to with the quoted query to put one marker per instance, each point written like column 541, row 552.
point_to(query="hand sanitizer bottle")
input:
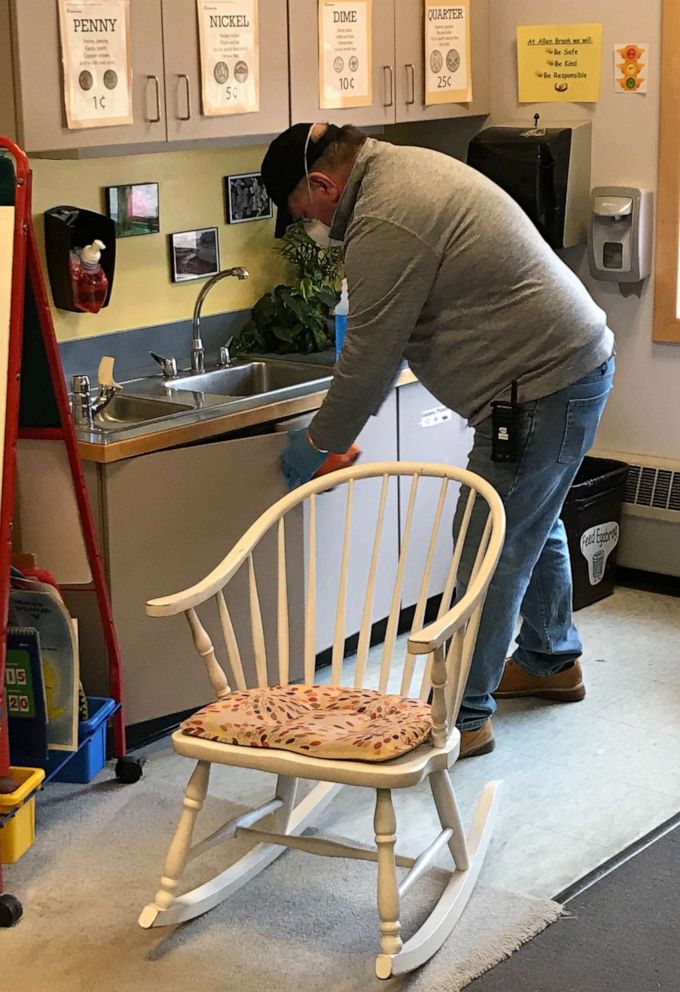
column 341, row 313
column 90, row 285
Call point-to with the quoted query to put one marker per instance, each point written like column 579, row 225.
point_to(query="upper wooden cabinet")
column 398, row 66
column 166, row 78
column 34, row 49
column 166, row 82
column 183, row 76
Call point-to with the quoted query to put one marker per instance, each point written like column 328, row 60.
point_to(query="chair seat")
column 320, row 721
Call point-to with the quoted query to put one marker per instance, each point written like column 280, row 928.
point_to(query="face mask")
column 318, row 231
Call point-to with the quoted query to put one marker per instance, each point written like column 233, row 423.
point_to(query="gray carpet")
column 620, row 935
column 306, row 923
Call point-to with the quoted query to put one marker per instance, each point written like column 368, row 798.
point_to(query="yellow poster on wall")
column 447, row 52
column 345, row 53
column 559, row 63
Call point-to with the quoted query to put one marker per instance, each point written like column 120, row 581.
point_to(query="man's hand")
column 300, row 460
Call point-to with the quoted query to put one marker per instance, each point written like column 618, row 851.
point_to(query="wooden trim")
column 666, row 320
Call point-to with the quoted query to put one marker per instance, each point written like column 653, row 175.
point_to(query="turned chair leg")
column 194, row 797
column 449, row 817
column 385, row 825
column 286, row 791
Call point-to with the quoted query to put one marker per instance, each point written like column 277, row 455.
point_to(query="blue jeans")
column 533, row 577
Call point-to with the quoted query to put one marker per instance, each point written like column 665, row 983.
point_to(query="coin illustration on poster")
column 97, row 66
column 230, row 56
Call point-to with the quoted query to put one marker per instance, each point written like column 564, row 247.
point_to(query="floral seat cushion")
column 319, row 720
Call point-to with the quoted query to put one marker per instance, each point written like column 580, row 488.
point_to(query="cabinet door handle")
column 187, row 116
column 411, row 83
column 388, row 79
column 156, row 119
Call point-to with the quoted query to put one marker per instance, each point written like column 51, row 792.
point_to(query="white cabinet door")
column 41, row 124
column 429, row 432
column 304, row 67
column 378, row 443
column 183, row 80
column 170, row 518
column 410, row 61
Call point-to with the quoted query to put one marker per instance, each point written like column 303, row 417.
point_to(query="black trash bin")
column 592, row 518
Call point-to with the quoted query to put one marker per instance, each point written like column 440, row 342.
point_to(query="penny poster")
column 448, row 76
column 345, row 53
column 230, row 56
column 559, row 63
column 95, row 49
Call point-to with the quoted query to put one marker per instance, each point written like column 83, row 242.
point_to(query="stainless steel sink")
column 124, row 411
column 250, row 379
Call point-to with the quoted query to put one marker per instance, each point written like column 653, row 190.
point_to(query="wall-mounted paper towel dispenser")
column 546, row 170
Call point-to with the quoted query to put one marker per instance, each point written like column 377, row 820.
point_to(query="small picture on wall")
column 134, row 208
column 195, row 254
column 246, row 198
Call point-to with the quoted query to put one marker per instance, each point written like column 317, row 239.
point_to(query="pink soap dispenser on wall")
column 90, row 285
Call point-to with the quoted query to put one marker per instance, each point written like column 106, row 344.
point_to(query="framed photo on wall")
column 195, row 254
column 246, row 198
column 134, row 208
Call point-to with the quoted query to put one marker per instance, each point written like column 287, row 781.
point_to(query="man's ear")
column 327, row 184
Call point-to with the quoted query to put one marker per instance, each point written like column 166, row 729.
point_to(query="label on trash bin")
column 597, row 543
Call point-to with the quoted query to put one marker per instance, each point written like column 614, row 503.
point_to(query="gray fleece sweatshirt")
column 446, row 271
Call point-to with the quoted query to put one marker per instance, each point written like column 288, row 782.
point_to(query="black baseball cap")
column 284, row 166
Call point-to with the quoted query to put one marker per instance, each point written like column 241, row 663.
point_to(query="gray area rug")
column 620, row 935
column 306, row 923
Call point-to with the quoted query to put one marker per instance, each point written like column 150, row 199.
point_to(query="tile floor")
column 581, row 781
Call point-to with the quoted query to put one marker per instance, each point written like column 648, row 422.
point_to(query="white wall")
column 643, row 415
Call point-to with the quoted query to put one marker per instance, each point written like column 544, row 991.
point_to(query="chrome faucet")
column 84, row 407
column 197, row 350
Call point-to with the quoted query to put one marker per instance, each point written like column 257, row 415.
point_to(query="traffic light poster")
column 559, row 63
column 631, row 65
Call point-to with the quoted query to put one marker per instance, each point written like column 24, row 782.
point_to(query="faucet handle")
column 224, row 359
column 168, row 365
column 105, row 375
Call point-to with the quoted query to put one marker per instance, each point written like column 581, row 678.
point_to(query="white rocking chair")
column 448, row 643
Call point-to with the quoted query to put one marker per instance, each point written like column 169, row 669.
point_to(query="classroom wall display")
column 559, row 63
column 230, row 56
column 246, row 198
column 194, row 254
column 134, row 208
column 631, row 67
column 345, row 53
column 97, row 63
column 448, row 76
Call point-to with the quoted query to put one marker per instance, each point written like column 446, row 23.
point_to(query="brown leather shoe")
column 479, row 741
column 565, row 687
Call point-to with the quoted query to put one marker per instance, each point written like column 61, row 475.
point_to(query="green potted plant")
column 296, row 318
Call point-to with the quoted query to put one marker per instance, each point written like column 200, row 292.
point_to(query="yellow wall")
column 191, row 196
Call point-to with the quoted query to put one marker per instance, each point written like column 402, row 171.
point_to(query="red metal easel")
column 33, row 356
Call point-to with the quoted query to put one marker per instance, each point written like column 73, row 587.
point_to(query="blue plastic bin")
column 90, row 757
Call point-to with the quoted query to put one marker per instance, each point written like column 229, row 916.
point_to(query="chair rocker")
column 342, row 733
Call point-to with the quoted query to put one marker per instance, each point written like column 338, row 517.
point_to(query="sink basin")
column 125, row 411
column 250, row 379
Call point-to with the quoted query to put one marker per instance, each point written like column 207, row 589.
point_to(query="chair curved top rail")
column 432, row 635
